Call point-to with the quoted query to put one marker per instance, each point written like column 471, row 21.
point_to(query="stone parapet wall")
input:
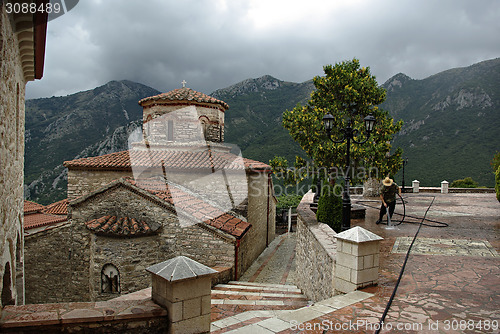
column 124, row 316
column 457, row 190
column 315, row 253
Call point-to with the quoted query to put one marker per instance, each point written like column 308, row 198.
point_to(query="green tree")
column 497, row 183
column 495, row 162
column 346, row 91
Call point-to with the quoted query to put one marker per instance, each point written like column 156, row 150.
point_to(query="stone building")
column 22, row 49
column 178, row 190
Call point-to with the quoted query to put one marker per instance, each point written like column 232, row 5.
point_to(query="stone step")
column 259, row 294
column 254, row 301
column 279, row 320
column 258, row 287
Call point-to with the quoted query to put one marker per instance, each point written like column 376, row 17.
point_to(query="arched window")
column 205, row 124
column 110, row 279
column 7, row 298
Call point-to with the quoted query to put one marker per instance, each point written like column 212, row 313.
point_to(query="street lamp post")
column 349, row 133
column 405, row 161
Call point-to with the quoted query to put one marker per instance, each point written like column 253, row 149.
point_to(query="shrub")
column 468, row 182
column 286, row 201
column 497, row 183
column 330, row 209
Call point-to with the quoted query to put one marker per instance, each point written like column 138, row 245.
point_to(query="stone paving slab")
column 437, row 290
column 447, row 247
column 275, row 264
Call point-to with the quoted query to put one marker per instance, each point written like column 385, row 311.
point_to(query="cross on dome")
column 183, row 83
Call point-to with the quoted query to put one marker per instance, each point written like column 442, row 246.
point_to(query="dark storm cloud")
column 213, row 44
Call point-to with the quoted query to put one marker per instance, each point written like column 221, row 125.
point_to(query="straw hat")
column 387, row 182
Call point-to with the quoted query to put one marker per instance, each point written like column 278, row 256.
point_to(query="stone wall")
column 202, row 182
column 56, row 264
column 182, row 123
column 81, row 182
column 315, row 253
column 262, row 216
column 75, row 249
column 12, row 90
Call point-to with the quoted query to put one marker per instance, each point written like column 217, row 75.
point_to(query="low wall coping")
column 79, row 312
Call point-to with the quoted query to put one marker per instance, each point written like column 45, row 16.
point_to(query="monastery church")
column 178, row 190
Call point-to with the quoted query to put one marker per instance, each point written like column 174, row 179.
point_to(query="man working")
column 388, row 195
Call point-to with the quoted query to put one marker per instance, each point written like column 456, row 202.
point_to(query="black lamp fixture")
column 348, row 134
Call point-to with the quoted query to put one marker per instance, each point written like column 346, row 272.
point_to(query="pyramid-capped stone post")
column 357, row 259
column 183, row 287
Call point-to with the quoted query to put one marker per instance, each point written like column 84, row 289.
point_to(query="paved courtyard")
column 451, row 283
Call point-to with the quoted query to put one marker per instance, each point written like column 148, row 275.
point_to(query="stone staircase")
column 266, row 320
column 240, row 303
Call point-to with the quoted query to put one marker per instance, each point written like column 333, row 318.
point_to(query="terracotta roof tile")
column 41, row 219
column 32, row 207
column 194, row 206
column 184, row 94
column 57, row 208
column 206, row 159
column 122, row 227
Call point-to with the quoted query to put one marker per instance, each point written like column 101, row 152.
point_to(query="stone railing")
column 315, row 253
column 445, row 189
column 328, row 263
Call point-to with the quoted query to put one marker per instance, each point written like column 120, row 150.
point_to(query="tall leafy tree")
column 346, row 91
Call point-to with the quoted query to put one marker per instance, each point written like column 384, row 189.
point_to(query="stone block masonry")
column 328, row 263
column 12, row 91
column 84, row 253
column 315, row 254
column 357, row 259
column 183, row 287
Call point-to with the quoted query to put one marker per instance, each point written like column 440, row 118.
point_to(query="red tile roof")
column 57, row 208
column 124, row 226
column 31, row 207
column 193, row 206
column 170, row 159
column 41, row 219
column 184, row 94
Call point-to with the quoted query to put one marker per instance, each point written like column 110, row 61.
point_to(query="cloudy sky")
column 216, row 43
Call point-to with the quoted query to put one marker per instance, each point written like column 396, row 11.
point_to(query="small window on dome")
column 110, row 279
column 170, row 130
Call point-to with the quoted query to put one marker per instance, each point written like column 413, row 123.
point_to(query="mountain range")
column 451, row 122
